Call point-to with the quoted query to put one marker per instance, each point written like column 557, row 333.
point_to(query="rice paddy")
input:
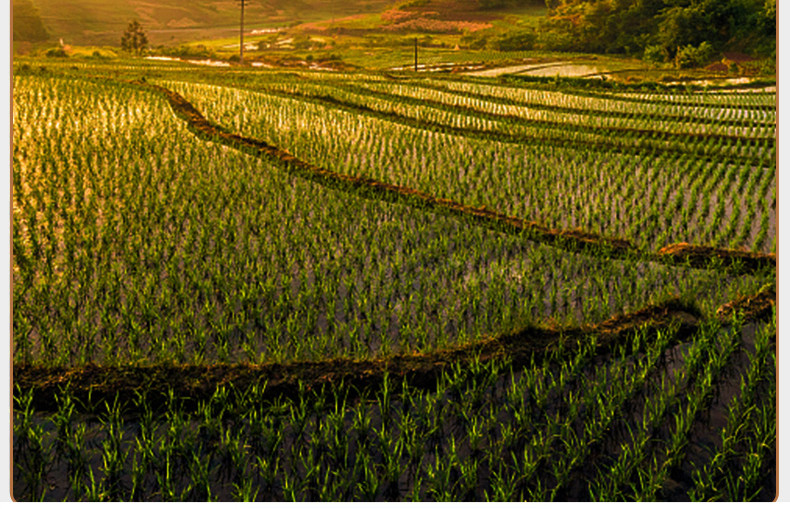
column 266, row 285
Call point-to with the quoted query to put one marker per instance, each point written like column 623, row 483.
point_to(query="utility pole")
column 241, row 34
column 415, row 54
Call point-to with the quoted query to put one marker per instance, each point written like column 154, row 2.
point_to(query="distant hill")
column 101, row 22
column 493, row 17
column 27, row 22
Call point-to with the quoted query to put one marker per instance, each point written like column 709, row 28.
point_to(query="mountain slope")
column 27, row 22
column 172, row 21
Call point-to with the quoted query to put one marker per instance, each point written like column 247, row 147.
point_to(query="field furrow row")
column 420, row 370
column 682, row 254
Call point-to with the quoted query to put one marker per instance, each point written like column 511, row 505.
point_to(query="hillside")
column 27, row 22
column 358, row 31
column 96, row 22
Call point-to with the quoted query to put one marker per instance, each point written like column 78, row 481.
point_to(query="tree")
column 134, row 39
column 662, row 26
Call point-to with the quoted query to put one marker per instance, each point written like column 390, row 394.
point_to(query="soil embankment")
column 570, row 240
column 197, row 383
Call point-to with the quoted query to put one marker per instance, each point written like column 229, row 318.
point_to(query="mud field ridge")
column 573, row 240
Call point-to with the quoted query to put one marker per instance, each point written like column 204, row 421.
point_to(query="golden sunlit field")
column 529, row 276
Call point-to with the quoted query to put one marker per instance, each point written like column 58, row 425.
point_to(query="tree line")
column 664, row 29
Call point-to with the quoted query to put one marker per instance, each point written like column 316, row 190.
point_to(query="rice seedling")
column 745, row 413
column 33, row 449
column 148, row 241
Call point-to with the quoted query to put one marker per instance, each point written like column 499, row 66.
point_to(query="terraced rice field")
column 238, row 285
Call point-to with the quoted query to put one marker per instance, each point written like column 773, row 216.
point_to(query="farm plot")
column 124, row 255
column 487, row 431
column 327, row 342
column 651, row 199
column 717, row 121
column 569, row 120
column 503, row 120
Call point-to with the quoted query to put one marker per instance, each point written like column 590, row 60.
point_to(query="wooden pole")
column 415, row 54
column 241, row 35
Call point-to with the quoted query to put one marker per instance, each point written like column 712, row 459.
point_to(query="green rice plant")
column 165, row 480
column 384, row 400
column 313, row 470
column 468, row 478
column 77, row 461
column 243, row 490
column 490, row 186
column 391, row 448
column 741, row 415
column 439, row 478
column 32, row 448
column 610, row 482
column 300, row 411
column 503, row 486
column 144, row 457
column 93, row 490
column 414, row 448
column 114, row 452
column 602, row 408
column 175, row 450
column 414, row 496
column 176, row 249
column 289, row 489
column 268, row 470
column 233, row 454
column 368, row 486
column 651, row 479
column 200, row 475
column 760, row 446
column 69, row 441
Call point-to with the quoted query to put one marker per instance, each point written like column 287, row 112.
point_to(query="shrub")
column 689, row 56
column 655, row 54
column 302, row 41
column 474, row 40
column 414, row 3
column 553, row 40
column 198, row 51
column 513, row 41
column 56, row 53
column 768, row 66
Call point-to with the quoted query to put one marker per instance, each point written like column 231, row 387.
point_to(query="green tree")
column 693, row 22
column 134, row 39
column 631, row 26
